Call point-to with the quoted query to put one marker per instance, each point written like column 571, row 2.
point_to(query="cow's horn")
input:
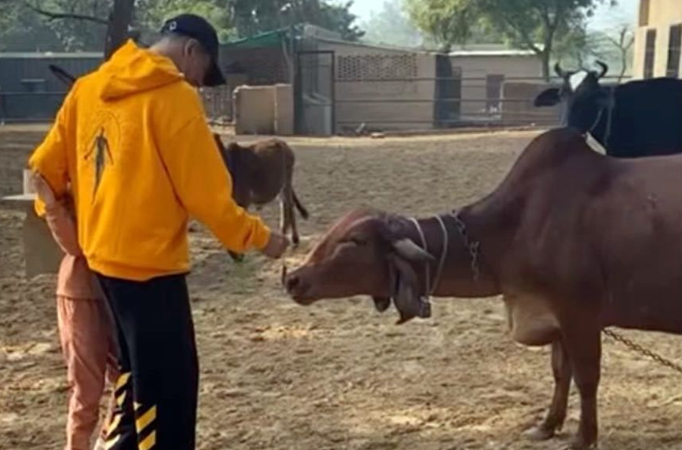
column 559, row 71
column 604, row 68
column 411, row 251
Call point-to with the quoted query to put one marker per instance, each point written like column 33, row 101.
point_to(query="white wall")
column 661, row 15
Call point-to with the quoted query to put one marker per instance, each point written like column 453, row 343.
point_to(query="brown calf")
column 260, row 172
column 574, row 241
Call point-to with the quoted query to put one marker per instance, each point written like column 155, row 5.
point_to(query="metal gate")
column 314, row 93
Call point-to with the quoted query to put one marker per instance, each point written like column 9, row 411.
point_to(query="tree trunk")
column 544, row 58
column 119, row 22
column 547, row 50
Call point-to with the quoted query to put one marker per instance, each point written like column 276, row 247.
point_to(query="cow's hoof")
column 539, row 433
column 579, row 443
column 295, row 241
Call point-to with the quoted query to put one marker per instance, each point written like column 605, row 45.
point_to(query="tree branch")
column 525, row 37
column 51, row 15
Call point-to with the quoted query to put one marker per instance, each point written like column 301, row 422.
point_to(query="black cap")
column 198, row 28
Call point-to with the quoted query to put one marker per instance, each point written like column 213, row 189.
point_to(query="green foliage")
column 339, row 18
column 448, row 22
column 391, row 26
column 530, row 24
column 22, row 28
column 251, row 17
column 150, row 15
column 581, row 47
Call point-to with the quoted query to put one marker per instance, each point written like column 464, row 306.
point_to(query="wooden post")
column 41, row 252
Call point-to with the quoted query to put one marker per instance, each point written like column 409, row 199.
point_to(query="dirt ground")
column 338, row 375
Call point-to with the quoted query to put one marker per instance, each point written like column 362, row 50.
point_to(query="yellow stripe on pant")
column 145, row 419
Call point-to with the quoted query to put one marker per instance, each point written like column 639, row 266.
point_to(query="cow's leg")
column 561, row 368
column 583, row 342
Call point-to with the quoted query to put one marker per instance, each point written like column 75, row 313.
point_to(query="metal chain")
column 639, row 349
column 472, row 247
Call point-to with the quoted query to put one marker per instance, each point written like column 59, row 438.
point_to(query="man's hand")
column 43, row 190
column 276, row 246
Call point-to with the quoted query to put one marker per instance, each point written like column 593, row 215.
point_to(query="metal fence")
column 361, row 106
column 29, row 92
column 378, row 104
column 42, row 107
column 35, row 107
column 218, row 105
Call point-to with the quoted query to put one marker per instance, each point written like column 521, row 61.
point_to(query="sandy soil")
column 338, row 375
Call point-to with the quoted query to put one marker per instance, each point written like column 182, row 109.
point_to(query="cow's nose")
column 292, row 282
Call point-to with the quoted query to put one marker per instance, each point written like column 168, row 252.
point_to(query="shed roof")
column 50, row 55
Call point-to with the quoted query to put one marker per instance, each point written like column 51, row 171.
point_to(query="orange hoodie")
column 133, row 141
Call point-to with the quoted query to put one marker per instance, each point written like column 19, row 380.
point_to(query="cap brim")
column 215, row 76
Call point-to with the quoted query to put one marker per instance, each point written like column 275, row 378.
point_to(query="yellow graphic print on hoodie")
column 133, row 141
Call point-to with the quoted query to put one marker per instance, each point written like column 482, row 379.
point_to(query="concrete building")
column 485, row 69
column 658, row 39
column 340, row 86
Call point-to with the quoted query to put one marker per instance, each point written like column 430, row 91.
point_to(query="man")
column 132, row 141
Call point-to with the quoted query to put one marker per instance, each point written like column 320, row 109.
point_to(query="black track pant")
column 156, row 393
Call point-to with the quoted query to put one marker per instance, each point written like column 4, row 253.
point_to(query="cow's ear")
column 405, row 291
column 393, row 232
column 548, row 97
column 403, row 256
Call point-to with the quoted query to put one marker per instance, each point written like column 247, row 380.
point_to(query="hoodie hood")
column 132, row 70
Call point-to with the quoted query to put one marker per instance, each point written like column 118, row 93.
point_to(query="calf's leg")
column 561, row 369
column 295, row 239
column 287, row 219
column 236, row 257
column 283, row 215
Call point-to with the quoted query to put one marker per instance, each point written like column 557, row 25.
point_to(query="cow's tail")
column 299, row 206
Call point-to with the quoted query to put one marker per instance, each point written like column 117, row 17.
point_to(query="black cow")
column 638, row 118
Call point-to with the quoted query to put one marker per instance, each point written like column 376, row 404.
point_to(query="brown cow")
column 261, row 172
column 574, row 241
